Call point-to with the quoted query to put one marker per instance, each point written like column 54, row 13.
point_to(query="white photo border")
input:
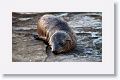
column 104, row 67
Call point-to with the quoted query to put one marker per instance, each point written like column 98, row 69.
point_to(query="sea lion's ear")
column 68, row 41
column 69, row 38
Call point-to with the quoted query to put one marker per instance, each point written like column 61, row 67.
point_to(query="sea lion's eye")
column 61, row 44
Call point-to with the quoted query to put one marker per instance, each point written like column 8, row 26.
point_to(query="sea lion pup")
column 57, row 33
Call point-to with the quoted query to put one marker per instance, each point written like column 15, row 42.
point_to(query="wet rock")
column 24, row 19
column 27, row 50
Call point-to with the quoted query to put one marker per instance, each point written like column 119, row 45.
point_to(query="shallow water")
column 87, row 26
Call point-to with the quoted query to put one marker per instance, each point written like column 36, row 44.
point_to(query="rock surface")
column 87, row 26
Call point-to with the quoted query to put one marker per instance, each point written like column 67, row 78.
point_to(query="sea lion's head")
column 60, row 42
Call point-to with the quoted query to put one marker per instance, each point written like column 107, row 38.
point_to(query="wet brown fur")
column 49, row 24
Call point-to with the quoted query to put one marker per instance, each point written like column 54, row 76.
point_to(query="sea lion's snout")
column 54, row 49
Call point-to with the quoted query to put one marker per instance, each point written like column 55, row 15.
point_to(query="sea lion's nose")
column 54, row 49
column 54, row 52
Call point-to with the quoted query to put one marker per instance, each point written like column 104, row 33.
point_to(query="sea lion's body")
column 57, row 33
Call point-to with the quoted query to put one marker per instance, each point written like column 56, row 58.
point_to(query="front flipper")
column 37, row 37
column 41, row 38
